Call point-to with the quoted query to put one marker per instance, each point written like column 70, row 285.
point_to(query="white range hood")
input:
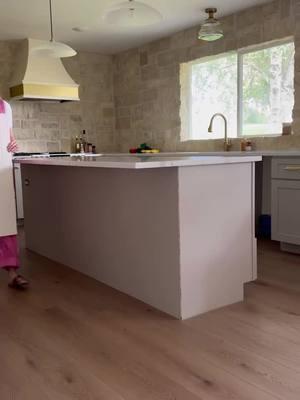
column 40, row 78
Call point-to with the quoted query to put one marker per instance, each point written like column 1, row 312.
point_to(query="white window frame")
column 187, row 81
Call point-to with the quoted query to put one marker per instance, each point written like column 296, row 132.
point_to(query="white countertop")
column 141, row 161
column 264, row 153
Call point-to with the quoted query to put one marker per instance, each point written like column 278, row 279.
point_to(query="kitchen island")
column 174, row 232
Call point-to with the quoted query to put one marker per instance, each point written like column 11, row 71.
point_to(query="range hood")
column 40, row 78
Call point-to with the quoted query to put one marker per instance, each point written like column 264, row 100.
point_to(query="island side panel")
column 217, row 235
column 254, row 216
column 117, row 226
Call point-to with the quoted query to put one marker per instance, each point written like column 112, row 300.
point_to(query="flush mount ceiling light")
column 211, row 30
column 52, row 48
column 132, row 13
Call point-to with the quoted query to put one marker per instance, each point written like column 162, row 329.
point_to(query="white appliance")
column 18, row 190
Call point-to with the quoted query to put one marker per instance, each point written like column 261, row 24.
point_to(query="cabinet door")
column 286, row 211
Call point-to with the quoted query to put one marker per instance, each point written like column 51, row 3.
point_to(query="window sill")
column 274, row 135
column 250, row 137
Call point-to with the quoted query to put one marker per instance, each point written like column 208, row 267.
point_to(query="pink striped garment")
column 9, row 257
column 2, row 107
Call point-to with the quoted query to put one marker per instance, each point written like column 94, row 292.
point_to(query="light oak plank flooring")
column 70, row 338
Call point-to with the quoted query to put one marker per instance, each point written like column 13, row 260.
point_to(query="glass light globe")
column 132, row 13
column 211, row 31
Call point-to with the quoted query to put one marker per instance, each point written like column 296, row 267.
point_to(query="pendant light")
column 132, row 13
column 53, row 49
column 211, row 30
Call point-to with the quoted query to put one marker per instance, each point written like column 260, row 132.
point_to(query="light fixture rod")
column 51, row 22
column 211, row 11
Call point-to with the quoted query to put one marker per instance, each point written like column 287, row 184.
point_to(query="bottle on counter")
column 89, row 148
column 77, row 144
column 81, row 146
column 286, row 128
column 243, row 145
column 248, row 146
column 84, row 141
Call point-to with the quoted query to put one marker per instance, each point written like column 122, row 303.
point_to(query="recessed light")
column 80, row 29
column 132, row 13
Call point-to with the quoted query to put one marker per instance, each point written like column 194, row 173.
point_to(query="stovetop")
column 40, row 155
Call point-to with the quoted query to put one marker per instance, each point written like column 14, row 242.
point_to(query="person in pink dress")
column 9, row 257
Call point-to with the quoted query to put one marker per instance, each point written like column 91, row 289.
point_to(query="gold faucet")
column 227, row 141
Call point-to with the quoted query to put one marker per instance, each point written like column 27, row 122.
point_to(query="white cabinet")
column 286, row 200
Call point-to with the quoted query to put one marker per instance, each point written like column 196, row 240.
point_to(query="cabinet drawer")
column 286, row 168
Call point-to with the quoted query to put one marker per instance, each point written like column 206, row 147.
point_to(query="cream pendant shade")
column 53, row 50
column 132, row 13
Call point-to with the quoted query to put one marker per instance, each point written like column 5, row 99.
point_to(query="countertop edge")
column 138, row 165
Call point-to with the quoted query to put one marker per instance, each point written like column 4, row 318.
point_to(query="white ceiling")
column 29, row 18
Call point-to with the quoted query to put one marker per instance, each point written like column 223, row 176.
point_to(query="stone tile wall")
column 134, row 96
column 147, row 86
column 48, row 126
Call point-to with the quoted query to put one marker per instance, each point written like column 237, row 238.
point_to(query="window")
column 253, row 88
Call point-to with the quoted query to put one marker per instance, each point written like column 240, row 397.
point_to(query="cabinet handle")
column 292, row 168
column 27, row 182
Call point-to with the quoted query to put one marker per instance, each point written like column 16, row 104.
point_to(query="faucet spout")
column 227, row 141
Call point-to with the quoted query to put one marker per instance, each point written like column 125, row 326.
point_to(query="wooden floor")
column 70, row 337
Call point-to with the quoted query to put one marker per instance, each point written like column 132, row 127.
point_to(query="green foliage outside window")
column 266, row 91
